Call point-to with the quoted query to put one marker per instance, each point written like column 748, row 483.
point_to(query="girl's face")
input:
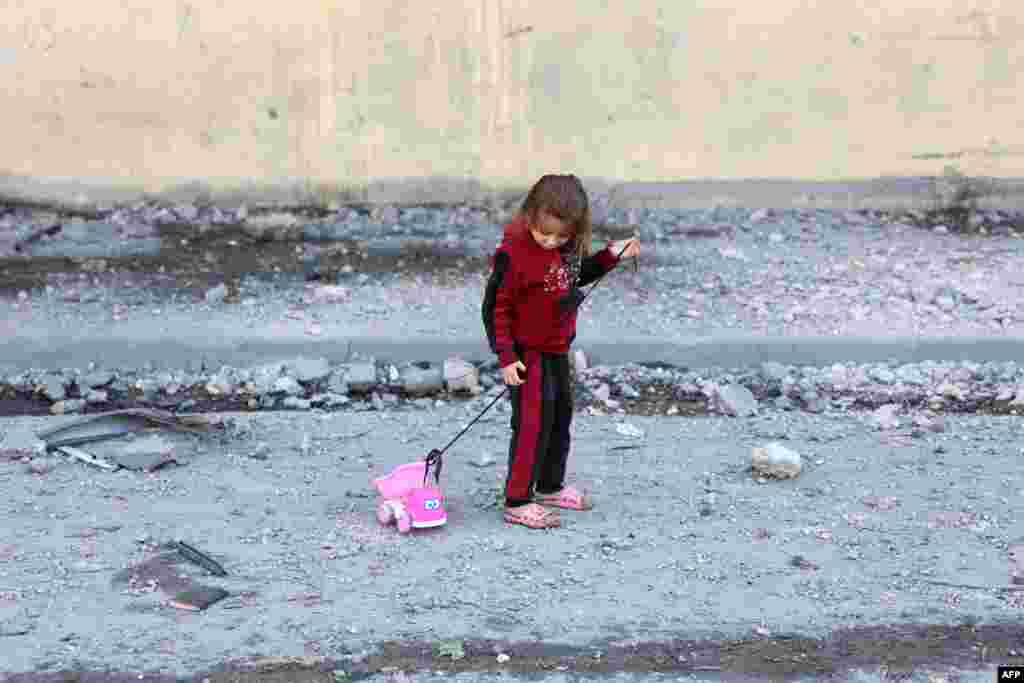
column 550, row 232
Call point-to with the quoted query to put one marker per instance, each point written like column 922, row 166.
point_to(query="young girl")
column 529, row 312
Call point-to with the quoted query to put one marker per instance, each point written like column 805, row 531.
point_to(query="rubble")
column 306, row 383
column 87, row 458
column 199, row 558
column 461, row 376
column 146, row 454
column 776, row 461
column 737, row 401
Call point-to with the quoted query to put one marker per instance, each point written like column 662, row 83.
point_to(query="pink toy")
column 408, row 500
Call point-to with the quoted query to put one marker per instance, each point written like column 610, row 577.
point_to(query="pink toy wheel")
column 385, row 515
column 404, row 521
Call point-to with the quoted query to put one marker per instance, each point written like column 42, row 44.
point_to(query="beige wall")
column 135, row 95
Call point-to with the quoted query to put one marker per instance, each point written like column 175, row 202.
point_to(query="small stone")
column 98, row 378
column 295, row 403
column 287, row 385
column 775, row 460
column 628, row 391
column 950, row 390
column 737, row 400
column 41, row 466
column 361, row 377
column 53, row 388
column 261, row 452
column 67, row 406
column 94, row 396
column 20, row 624
column 146, row 453
column 460, row 376
column 217, row 295
column 885, row 416
column 483, row 460
column 307, row 370
column 187, row 212
column 416, row 381
column 759, row 216
column 626, row 429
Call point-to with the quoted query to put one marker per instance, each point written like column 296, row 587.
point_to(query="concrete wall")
column 386, row 98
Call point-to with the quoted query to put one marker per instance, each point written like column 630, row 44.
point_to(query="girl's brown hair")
column 563, row 197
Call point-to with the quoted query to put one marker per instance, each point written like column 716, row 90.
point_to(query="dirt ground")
column 899, row 650
column 205, row 260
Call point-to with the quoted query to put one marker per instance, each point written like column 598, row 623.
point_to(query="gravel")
column 890, row 491
column 684, row 538
column 760, row 272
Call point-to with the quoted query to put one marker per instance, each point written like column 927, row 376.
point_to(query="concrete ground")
column 687, row 560
column 888, row 557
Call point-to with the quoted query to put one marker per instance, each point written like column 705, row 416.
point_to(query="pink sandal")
column 569, row 498
column 533, row 516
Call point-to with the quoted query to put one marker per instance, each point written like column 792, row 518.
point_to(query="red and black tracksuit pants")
column 542, row 409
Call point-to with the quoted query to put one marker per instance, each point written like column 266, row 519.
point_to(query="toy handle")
column 435, row 461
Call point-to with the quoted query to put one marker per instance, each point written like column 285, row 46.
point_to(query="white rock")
column 950, row 390
column 217, row 294
column 460, row 375
column 288, row 386
column 296, row 403
column 626, row 429
column 775, row 460
column 329, row 294
column 309, row 369
column 885, row 416
column 420, row 382
column 737, row 400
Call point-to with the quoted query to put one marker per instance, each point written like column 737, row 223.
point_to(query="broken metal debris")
column 120, row 423
column 146, row 454
column 87, row 458
column 202, row 559
column 159, row 573
column 110, row 425
column 197, row 599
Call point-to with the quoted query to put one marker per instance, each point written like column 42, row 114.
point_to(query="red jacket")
column 528, row 303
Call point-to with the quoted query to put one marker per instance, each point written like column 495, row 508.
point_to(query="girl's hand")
column 631, row 246
column 510, row 373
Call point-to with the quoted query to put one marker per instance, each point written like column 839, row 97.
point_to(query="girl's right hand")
column 511, row 373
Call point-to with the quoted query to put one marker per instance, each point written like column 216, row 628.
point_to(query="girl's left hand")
column 631, row 251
